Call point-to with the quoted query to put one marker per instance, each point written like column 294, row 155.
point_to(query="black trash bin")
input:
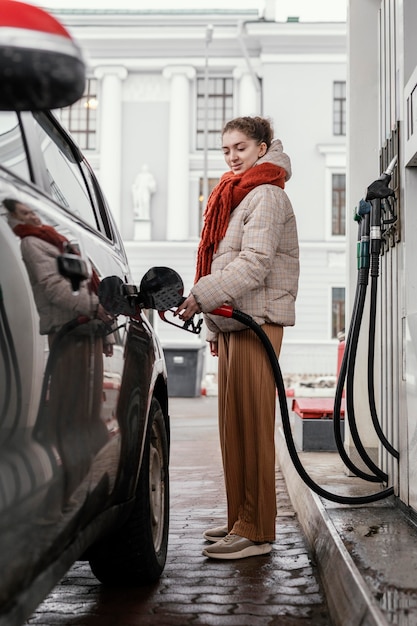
column 185, row 366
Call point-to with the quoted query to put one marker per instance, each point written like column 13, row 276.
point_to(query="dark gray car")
column 84, row 426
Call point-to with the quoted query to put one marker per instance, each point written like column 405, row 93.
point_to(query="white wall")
column 297, row 64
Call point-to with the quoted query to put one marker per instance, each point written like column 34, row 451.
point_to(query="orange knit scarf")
column 44, row 232
column 224, row 198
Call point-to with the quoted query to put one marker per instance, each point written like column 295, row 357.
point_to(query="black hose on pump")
column 250, row 323
column 369, row 245
column 346, row 373
column 363, row 217
column 375, row 249
column 339, row 394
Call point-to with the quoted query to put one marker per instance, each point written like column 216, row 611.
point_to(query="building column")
column 178, row 152
column 110, row 103
column 248, row 100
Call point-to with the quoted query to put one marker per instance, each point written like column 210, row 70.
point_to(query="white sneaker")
column 215, row 534
column 236, row 547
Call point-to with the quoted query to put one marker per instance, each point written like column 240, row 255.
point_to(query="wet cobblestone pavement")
column 280, row 589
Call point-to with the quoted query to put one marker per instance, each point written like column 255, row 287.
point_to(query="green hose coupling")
column 363, row 253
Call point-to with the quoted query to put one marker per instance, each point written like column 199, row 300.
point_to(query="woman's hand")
column 103, row 315
column 188, row 308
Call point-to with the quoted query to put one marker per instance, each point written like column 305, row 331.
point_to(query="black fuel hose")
column 367, row 263
column 338, row 398
column 247, row 320
column 375, row 250
column 350, row 406
column 363, row 259
column 346, row 373
column 371, row 360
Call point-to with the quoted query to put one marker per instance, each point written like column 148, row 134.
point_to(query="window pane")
column 339, row 108
column 219, row 109
column 81, row 117
column 338, row 311
column 338, row 204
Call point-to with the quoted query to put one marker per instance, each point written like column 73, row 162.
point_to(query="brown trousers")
column 247, row 401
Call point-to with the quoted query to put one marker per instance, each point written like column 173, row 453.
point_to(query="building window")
column 219, row 110
column 338, row 311
column 81, row 117
column 338, row 204
column 339, row 108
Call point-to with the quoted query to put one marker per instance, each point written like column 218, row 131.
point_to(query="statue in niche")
column 142, row 189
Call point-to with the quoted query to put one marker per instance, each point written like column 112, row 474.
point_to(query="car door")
column 61, row 397
column 32, row 474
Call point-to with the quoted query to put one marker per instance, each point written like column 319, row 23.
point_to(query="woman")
column 247, row 258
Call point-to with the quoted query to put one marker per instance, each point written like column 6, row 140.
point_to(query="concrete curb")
column 349, row 600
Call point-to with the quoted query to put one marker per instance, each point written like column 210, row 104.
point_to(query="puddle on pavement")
column 382, row 543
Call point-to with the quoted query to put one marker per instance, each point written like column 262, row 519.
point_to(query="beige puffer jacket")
column 52, row 292
column 54, row 298
column 256, row 266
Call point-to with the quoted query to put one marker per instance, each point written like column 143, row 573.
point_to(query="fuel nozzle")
column 379, row 188
column 378, row 193
column 390, row 168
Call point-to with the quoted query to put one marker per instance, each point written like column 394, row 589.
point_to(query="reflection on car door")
column 59, row 431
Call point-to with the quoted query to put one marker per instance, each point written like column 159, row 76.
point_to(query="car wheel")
column 137, row 553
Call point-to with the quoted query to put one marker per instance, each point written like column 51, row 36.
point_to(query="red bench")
column 316, row 408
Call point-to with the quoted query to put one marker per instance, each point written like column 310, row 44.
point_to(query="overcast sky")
column 306, row 10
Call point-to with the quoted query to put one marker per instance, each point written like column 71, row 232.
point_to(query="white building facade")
column 162, row 84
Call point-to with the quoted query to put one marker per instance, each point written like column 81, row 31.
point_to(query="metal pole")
column 254, row 76
column 209, row 36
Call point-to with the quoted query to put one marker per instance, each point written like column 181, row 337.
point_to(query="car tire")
column 136, row 554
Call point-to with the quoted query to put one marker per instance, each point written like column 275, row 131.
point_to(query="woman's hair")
column 257, row 128
column 10, row 204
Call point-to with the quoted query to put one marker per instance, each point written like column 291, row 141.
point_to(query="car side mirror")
column 41, row 67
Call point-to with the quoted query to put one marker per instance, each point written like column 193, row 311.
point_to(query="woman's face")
column 241, row 152
column 24, row 214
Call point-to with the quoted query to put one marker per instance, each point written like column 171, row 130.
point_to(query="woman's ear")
column 263, row 148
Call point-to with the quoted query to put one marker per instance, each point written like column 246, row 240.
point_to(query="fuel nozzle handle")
column 390, row 168
column 378, row 192
column 379, row 188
